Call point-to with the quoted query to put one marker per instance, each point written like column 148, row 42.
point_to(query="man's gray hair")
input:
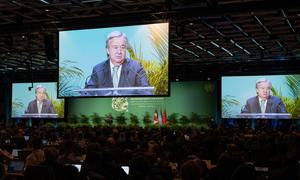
column 114, row 34
column 262, row 80
column 39, row 87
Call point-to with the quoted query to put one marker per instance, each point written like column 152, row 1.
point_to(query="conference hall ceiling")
column 207, row 37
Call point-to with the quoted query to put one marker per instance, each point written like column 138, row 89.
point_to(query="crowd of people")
column 155, row 153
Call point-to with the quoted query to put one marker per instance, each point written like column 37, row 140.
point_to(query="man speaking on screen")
column 263, row 102
column 117, row 71
column 40, row 105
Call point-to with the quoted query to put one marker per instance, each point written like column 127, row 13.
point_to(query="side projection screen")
column 114, row 61
column 37, row 100
column 261, row 97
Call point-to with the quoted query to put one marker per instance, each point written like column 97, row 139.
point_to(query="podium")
column 120, row 91
column 264, row 115
column 39, row 115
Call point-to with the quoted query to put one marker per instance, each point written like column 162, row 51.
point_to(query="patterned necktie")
column 263, row 106
column 115, row 76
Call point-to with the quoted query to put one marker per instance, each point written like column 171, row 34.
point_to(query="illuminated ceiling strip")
column 203, row 49
column 210, row 53
column 195, row 32
column 45, row 1
column 228, row 52
column 237, row 45
column 253, row 40
column 224, row 49
column 179, row 47
column 290, row 25
column 244, row 33
column 215, row 44
column 260, row 23
column 189, row 51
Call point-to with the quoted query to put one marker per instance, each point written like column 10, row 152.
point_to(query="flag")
column 164, row 117
column 155, row 117
column 160, row 117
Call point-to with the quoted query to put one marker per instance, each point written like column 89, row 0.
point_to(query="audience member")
column 192, row 170
column 50, row 154
column 68, row 156
column 37, row 154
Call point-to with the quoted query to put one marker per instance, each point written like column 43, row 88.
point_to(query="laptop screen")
column 15, row 166
column 15, row 152
column 126, row 169
column 78, row 166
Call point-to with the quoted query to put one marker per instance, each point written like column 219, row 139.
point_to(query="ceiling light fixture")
column 45, row 1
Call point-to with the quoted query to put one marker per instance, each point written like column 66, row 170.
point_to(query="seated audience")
column 37, row 154
column 68, row 156
column 192, row 170
column 139, row 168
column 51, row 154
column 244, row 172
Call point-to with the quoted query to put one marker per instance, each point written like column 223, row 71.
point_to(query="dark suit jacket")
column 46, row 108
column 274, row 105
column 132, row 75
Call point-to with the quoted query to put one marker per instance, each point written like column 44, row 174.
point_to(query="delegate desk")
column 121, row 91
column 264, row 115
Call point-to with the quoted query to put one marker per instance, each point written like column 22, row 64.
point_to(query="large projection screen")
column 240, row 97
column 24, row 101
column 85, row 69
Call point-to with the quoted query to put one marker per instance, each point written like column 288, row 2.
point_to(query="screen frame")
column 33, row 89
column 116, row 25
column 247, row 74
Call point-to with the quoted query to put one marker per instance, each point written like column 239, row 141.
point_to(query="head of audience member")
column 68, row 146
column 111, row 141
column 152, row 146
column 192, row 170
column 50, row 154
column 36, row 143
column 244, row 172
column 231, row 148
column 139, row 167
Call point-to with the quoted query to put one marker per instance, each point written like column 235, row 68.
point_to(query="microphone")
column 243, row 110
column 91, row 82
column 88, row 78
column 86, row 81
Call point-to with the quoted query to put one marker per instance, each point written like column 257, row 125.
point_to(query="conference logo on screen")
column 119, row 104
